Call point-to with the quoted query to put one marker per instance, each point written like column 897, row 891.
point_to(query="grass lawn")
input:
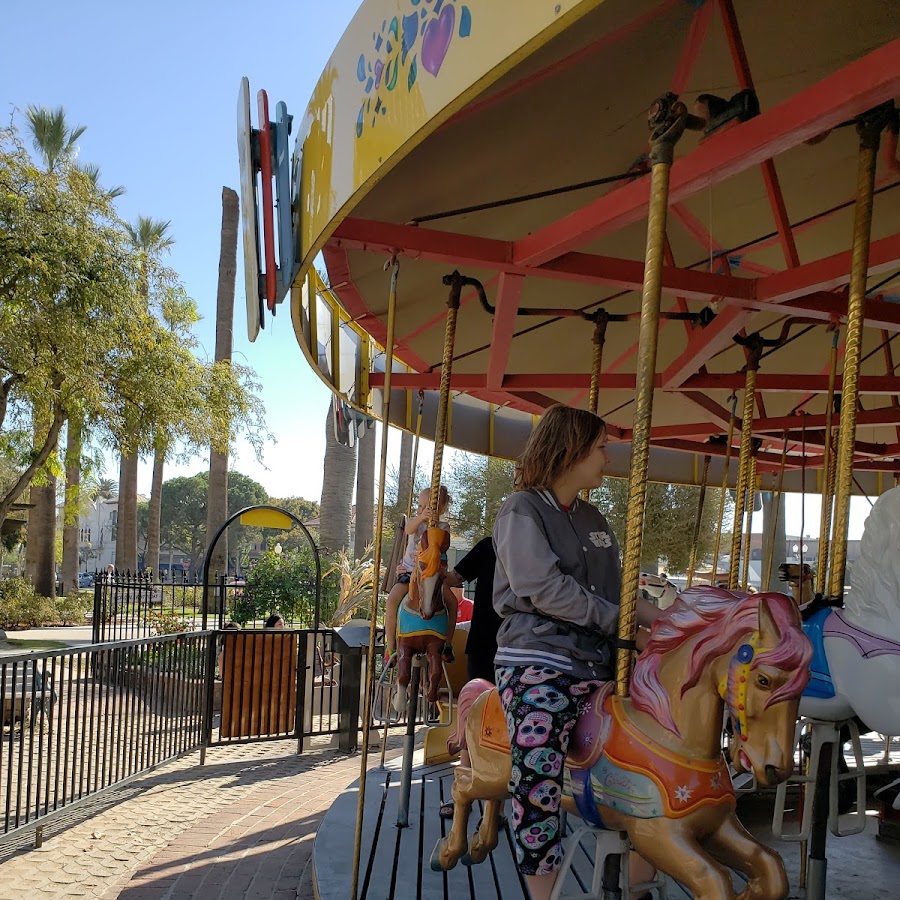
column 26, row 646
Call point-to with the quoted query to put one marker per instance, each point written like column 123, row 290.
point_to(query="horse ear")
column 769, row 634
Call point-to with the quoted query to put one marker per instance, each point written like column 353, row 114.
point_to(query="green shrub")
column 72, row 609
column 21, row 607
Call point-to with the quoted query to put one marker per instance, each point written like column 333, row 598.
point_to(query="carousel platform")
column 395, row 861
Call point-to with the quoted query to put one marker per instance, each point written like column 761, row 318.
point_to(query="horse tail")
column 464, row 702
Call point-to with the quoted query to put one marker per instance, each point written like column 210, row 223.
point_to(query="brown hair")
column 444, row 498
column 562, row 438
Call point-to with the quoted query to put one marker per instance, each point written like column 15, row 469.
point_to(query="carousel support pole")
column 376, row 579
column 755, row 347
column 601, row 320
column 751, row 502
column 668, row 118
column 869, row 128
column 721, row 518
column 409, row 741
column 693, row 561
column 769, row 555
column 828, row 461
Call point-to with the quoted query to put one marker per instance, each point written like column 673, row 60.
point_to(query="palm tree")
column 150, row 238
column 55, row 139
column 337, row 489
column 365, row 492
column 71, row 507
column 217, row 492
column 102, row 489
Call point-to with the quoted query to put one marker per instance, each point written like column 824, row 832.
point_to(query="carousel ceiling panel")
column 574, row 110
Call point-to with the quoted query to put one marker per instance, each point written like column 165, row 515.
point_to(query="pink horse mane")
column 722, row 618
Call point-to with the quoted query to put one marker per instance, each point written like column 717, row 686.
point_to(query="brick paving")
column 242, row 826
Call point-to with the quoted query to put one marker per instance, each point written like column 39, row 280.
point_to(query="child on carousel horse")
column 415, row 528
column 557, row 586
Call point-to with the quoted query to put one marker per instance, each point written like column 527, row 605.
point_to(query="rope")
column 693, row 561
column 376, row 581
column 870, row 134
column 731, row 422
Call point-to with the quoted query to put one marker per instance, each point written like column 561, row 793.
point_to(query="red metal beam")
column 719, row 413
column 830, row 307
column 792, row 384
column 509, row 291
column 691, row 48
column 465, row 250
column 765, row 460
column 867, row 82
column 828, row 273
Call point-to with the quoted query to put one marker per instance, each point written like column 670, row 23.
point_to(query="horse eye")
column 763, row 681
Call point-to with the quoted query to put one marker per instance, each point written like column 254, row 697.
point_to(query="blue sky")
column 156, row 85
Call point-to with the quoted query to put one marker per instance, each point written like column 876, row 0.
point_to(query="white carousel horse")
column 658, row 590
column 857, row 648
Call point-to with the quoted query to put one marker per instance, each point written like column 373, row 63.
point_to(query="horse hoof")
column 467, row 860
column 435, row 862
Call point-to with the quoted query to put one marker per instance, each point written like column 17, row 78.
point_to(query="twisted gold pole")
column 743, row 471
column 869, row 139
column 751, row 501
column 376, row 579
column 693, row 561
column 599, row 340
column 440, row 430
column 731, row 421
column 828, row 460
column 661, row 158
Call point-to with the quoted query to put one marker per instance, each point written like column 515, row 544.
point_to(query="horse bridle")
column 733, row 687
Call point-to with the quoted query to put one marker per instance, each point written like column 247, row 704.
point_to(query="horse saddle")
column 411, row 624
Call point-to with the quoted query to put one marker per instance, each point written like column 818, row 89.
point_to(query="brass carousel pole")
column 751, row 502
column 724, row 491
column 668, row 119
column 828, row 468
column 769, row 555
column 601, row 320
column 693, row 561
column 869, row 128
column 376, row 575
column 755, row 348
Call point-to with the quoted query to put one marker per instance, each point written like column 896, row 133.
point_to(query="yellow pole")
column 376, row 581
column 693, row 561
column 715, row 566
column 668, row 119
column 751, row 499
column 744, row 465
column 773, row 530
column 869, row 139
column 828, row 460
column 455, row 282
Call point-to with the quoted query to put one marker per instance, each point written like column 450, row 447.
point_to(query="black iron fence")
column 132, row 606
column 81, row 721
column 77, row 722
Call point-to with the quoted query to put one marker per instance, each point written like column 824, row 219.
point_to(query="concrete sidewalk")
column 242, row 826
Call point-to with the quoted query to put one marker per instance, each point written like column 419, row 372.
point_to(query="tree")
column 102, row 489
column 478, row 486
column 337, row 490
column 150, row 238
column 404, row 470
column 218, row 461
column 669, row 519
column 305, row 511
column 184, row 513
column 66, row 309
column 365, row 491
column 72, row 506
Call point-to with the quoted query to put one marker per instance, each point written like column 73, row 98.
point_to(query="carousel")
column 684, row 216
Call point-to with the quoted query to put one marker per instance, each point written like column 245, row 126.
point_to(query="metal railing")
column 78, row 722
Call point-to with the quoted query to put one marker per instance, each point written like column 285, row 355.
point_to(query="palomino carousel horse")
column 422, row 622
column 651, row 764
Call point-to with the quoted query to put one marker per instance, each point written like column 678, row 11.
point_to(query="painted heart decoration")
column 436, row 39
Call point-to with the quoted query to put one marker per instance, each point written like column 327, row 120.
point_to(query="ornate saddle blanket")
column 820, row 682
column 411, row 624
column 611, row 763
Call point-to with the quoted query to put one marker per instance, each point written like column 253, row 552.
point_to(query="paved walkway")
column 242, row 826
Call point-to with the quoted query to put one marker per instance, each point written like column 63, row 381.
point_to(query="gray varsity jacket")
column 556, row 585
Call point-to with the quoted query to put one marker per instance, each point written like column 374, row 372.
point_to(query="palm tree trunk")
column 337, row 490
column 72, row 507
column 365, row 492
column 153, row 519
column 40, row 554
column 126, row 518
column 405, row 472
column 217, row 496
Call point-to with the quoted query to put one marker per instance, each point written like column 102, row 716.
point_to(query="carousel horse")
column 422, row 621
column 658, row 590
column 857, row 647
column 651, row 764
column 801, row 581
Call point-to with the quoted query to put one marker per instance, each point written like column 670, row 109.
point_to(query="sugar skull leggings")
column 541, row 707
